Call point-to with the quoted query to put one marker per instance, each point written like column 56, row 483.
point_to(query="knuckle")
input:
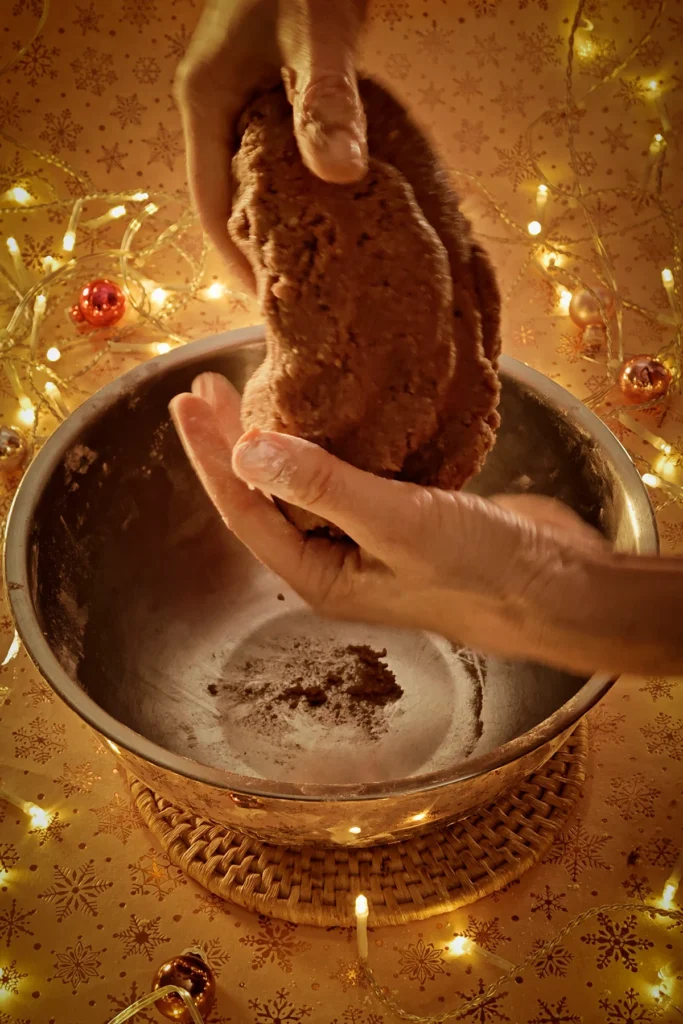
column 319, row 486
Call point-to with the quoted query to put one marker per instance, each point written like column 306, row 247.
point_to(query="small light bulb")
column 19, row 194
column 53, row 355
column 564, row 300
column 459, row 945
column 117, row 211
column 69, row 241
column 361, row 904
column 659, row 138
column 151, row 208
column 541, row 191
column 50, row 264
column 13, row 245
column 419, row 817
column 51, row 388
column 162, row 347
column 140, row 197
column 158, row 296
column 215, row 290
column 534, row 227
column 669, row 889
column 667, row 276
column 39, row 817
column 27, row 412
column 650, row 480
column 113, row 747
column 355, row 830
column 652, row 85
column 39, row 304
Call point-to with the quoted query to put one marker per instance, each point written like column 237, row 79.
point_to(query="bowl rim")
column 118, row 735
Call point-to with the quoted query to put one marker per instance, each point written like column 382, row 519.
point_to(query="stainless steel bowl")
column 133, row 600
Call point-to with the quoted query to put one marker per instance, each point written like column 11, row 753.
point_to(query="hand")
column 241, row 46
column 473, row 570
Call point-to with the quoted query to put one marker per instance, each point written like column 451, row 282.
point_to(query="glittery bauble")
column 584, row 309
column 644, row 379
column 14, row 448
column 191, row 972
column 101, row 304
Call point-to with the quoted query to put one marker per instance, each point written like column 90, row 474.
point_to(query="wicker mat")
column 407, row 881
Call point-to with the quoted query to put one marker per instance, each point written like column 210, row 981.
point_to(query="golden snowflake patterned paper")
column 89, row 905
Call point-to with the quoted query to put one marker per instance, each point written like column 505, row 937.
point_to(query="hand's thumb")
column 300, row 473
column 318, row 43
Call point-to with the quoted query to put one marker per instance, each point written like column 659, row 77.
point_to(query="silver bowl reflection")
column 162, row 632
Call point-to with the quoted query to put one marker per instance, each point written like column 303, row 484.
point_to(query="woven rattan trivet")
column 405, row 881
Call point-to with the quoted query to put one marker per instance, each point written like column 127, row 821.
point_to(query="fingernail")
column 204, row 387
column 340, row 147
column 259, row 461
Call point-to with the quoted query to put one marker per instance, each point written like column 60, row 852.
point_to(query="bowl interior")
column 174, row 630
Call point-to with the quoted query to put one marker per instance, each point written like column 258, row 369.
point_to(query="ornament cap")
column 191, row 972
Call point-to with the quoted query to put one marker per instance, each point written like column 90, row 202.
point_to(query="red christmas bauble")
column 643, row 379
column 101, row 304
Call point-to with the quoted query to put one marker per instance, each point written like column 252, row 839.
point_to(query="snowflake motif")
column 561, row 118
column 665, row 736
column 484, row 8
column 654, row 246
column 121, row 1001
column 631, row 92
column 94, row 71
column 77, row 778
column 515, row 164
column 468, row 86
column 651, row 54
column 78, row 964
column 75, row 889
column 13, row 923
column 34, row 7
column 275, row 943
column 60, row 131
column 11, row 112
column 634, row 797
column 40, row 740
column 141, row 937
column 88, row 20
column 524, row 335
column 178, row 43
column 637, row 887
column 577, row 850
column 486, row 934
column 37, row 62
column 165, row 146
column 391, row 12
column 436, row 42
column 538, row 49
column 146, row 70
column 211, row 905
column 599, row 59
column 354, row 1015
column 523, row 4
column 583, row 163
column 430, row 96
column 672, row 534
column 572, row 347
column 112, row 157
column 139, row 12
column 116, row 818
column 487, row 1011
column 487, row 50
column 33, row 251
column 660, row 852
column 153, row 874
column 628, row 1010
column 128, row 110
column 471, row 136
column 616, row 942
column 398, row 66
column 548, row 902
column 605, row 727
column 554, row 961
column 349, row 974
column 278, row 1010
column 39, row 692
column 554, row 1013
column 53, row 830
column 421, row 962
column 511, row 101
column 10, row 978
column 6, row 1019
column 616, row 138
column 8, row 854
column 216, row 956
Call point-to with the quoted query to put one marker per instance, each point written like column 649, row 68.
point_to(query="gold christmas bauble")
column 191, row 972
column 643, row 379
column 14, row 448
column 585, row 310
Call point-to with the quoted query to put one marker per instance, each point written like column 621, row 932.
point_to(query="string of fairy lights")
column 132, row 312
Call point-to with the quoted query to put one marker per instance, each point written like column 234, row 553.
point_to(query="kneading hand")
column 241, row 46
column 497, row 575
